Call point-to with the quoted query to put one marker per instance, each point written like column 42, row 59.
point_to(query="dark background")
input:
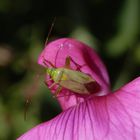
column 110, row 27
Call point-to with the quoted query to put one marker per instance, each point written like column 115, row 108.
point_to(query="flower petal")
column 56, row 53
column 112, row 117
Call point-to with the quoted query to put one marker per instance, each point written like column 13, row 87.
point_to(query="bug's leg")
column 47, row 81
column 67, row 63
column 58, row 91
column 46, row 61
column 52, row 85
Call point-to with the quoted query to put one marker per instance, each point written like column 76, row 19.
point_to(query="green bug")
column 72, row 80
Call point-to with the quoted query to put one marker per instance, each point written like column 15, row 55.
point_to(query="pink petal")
column 111, row 117
column 56, row 53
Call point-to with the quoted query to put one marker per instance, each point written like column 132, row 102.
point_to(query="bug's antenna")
column 52, row 25
column 28, row 101
column 29, row 93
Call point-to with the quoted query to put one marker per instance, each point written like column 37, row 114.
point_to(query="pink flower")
column 97, row 116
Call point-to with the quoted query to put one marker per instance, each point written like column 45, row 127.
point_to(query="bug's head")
column 48, row 71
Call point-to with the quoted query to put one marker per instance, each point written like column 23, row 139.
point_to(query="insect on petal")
column 84, row 59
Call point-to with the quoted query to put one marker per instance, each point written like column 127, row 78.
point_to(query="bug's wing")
column 78, row 77
column 88, row 88
column 74, row 86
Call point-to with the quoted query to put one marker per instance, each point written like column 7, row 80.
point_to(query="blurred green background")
column 110, row 27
